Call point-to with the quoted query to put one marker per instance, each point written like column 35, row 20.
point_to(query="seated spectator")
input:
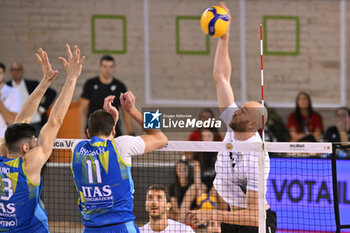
column 10, row 102
column 275, row 129
column 183, row 180
column 205, row 114
column 304, row 124
column 340, row 132
column 157, row 204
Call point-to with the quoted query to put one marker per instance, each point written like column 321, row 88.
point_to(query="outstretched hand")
column 127, row 100
column 108, row 107
column 223, row 5
column 49, row 73
column 75, row 62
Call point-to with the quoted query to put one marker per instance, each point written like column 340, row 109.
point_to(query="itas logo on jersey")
column 97, row 194
column 151, row 120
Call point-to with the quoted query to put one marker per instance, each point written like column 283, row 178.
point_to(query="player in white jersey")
column 157, row 205
column 236, row 178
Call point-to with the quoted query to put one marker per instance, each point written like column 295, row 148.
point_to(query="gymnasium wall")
column 303, row 50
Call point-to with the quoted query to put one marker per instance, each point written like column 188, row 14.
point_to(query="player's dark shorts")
column 271, row 225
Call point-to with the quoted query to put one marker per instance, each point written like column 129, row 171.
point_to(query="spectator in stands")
column 304, row 124
column 183, row 180
column 275, row 129
column 25, row 88
column 10, row 102
column 205, row 114
column 96, row 89
column 157, row 205
column 340, row 132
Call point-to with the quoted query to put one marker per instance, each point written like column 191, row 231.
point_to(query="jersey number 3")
column 98, row 171
column 7, row 187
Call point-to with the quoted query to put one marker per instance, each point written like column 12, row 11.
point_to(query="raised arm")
column 155, row 139
column 31, row 105
column 222, row 70
column 128, row 122
column 38, row 156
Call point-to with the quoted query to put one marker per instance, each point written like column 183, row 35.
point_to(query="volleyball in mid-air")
column 214, row 21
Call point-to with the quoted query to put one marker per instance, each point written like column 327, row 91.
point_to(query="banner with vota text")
column 300, row 190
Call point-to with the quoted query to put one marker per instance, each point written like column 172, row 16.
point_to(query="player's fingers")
column 108, row 99
column 39, row 58
column 223, row 5
column 64, row 61
column 69, row 52
column 131, row 96
column 76, row 51
column 124, row 97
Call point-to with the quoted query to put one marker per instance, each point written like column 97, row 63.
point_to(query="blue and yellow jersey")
column 103, row 180
column 21, row 209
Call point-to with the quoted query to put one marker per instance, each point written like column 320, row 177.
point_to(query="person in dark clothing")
column 96, row 89
column 339, row 134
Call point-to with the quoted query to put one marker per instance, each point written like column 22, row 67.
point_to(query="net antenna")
column 261, row 161
column 262, row 82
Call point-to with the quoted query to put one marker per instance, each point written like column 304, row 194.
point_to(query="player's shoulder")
column 127, row 140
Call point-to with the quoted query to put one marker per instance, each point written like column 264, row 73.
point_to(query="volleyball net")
column 307, row 186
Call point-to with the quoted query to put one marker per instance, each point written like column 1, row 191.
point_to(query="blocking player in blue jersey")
column 102, row 168
column 21, row 209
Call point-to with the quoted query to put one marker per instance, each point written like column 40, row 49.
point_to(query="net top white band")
column 283, row 147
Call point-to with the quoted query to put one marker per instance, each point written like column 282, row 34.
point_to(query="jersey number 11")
column 98, row 171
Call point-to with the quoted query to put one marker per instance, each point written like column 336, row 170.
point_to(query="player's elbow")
column 163, row 140
column 55, row 122
column 215, row 76
column 218, row 77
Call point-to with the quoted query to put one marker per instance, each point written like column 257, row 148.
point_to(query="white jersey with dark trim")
column 236, row 172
